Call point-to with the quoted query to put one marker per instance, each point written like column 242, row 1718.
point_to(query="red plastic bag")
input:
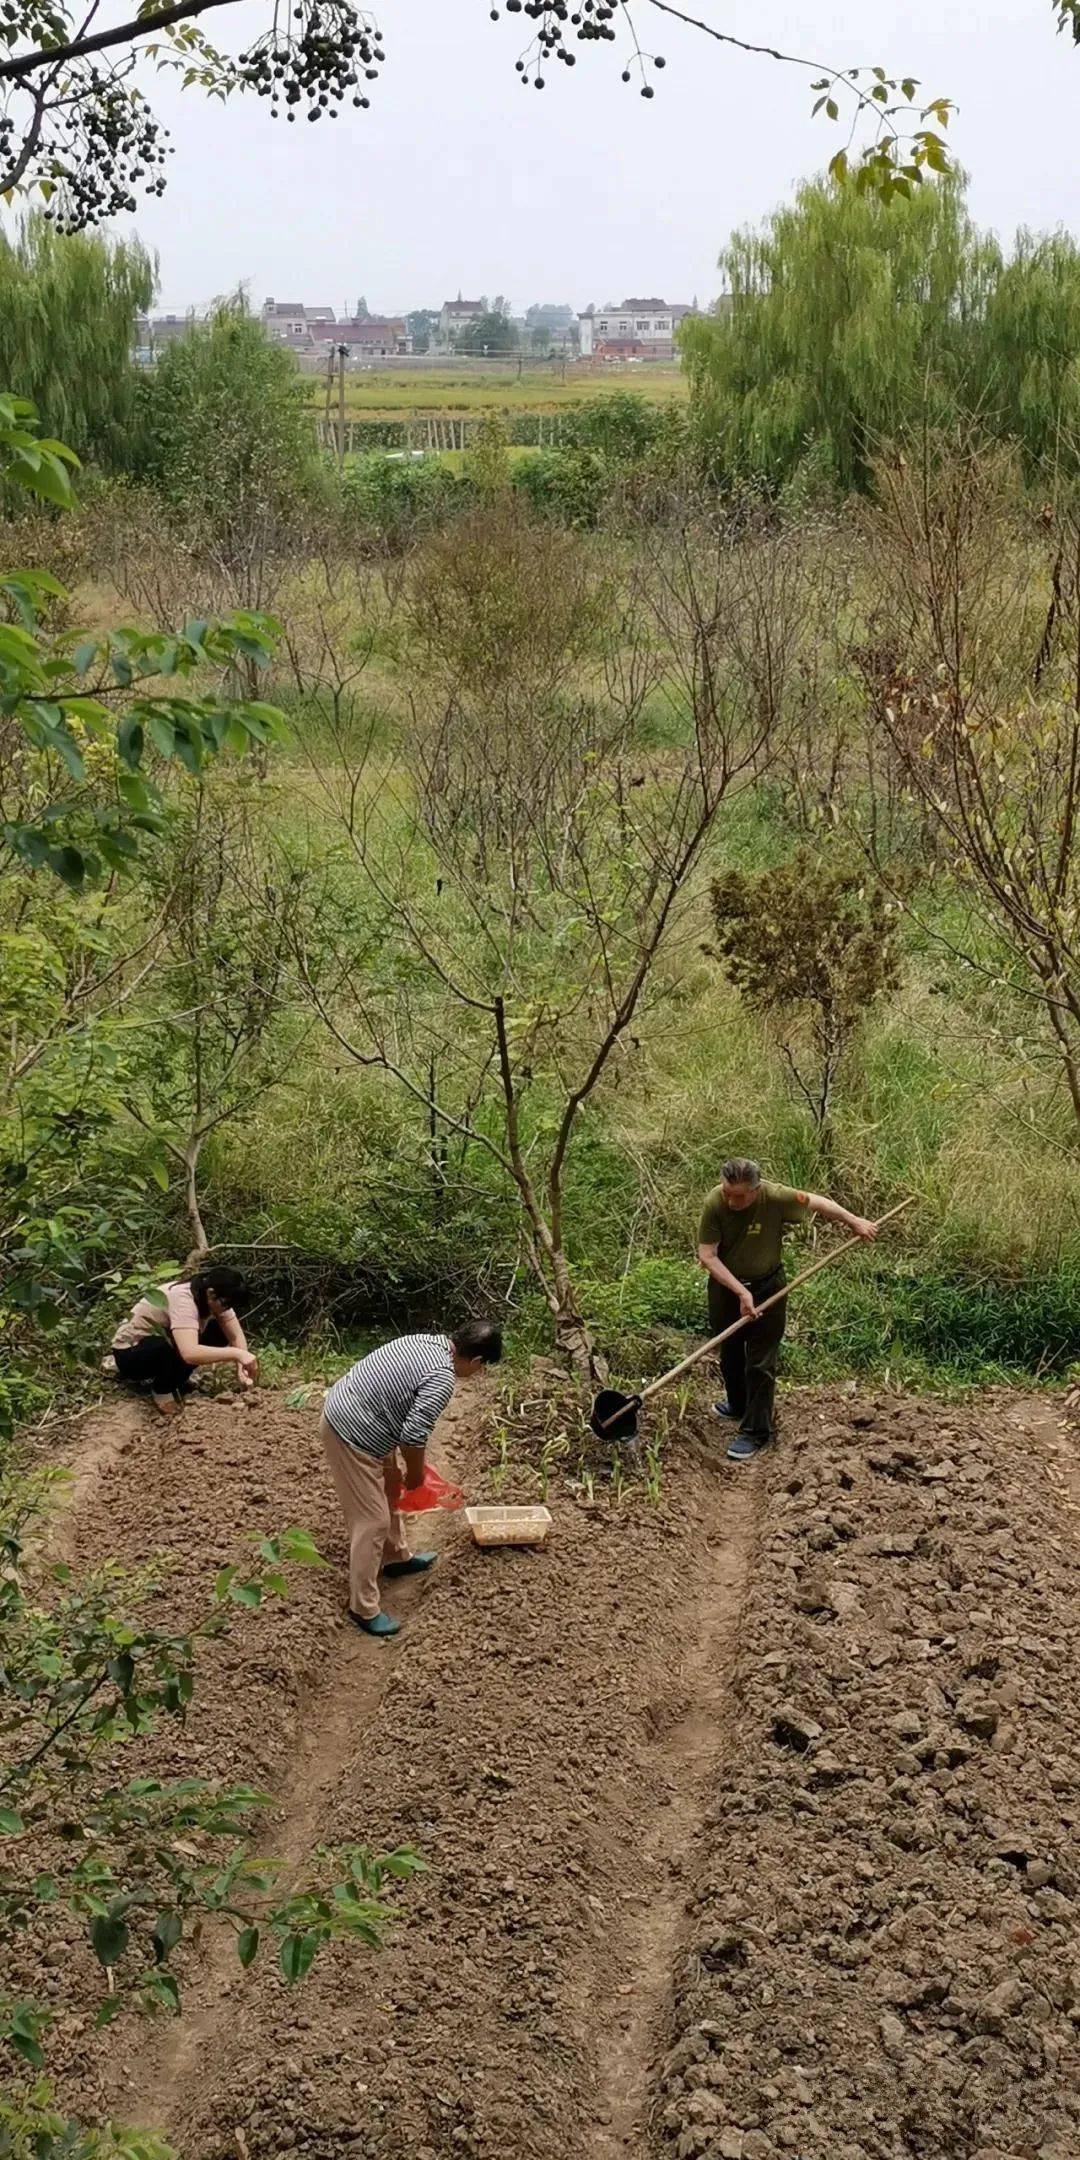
column 432, row 1492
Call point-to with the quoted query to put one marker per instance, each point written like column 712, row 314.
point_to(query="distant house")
column 635, row 330
column 316, row 330
column 373, row 337
column 456, row 316
column 294, row 323
column 284, row 318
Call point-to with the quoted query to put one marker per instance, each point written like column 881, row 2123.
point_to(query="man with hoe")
column 740, row 1244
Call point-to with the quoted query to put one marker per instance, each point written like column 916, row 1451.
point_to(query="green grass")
column 387, row 394
column 456, row 461
column 886, row 1318
column 982, row 1282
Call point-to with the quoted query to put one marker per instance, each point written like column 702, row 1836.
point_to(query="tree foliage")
column 232, row 907
column 490, row 333
column 487, row 462
column 67, row 310
column 1024, row 378
column 621, row 426
column 812, row 948
column 135, row 1860
column 977, row 697
column 67, row 696
column 225, row 437
column 847, row 321
column 421, row 324
column 75, row 125
column 89, row 727
column 35, row 2130
column 843, row 317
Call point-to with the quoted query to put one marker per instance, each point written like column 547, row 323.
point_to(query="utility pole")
column 342, row 351
column 329, row 393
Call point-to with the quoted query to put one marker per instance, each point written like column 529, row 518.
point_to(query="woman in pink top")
column 193, row 1323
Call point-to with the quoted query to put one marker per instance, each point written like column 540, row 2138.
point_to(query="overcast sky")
column 458, row 178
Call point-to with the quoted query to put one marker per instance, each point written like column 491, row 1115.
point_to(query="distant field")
column 389, row 394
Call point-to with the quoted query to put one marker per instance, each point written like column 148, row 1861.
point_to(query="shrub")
column 392, row 499
column 222, row 428
column 621, row 427
column 812, row 949
column 570, row 486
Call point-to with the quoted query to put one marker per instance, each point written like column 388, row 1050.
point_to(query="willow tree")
column 843, row 317
column 67, row 317
column 1026, row 383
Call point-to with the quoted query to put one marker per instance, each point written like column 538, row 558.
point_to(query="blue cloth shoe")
column 723, row 1408
column 418, row 1563
column 379, row 1624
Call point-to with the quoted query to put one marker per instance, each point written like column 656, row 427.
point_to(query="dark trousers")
column 748, row 1362
column 155, row 1363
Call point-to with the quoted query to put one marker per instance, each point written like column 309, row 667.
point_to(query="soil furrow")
column 696, row 1731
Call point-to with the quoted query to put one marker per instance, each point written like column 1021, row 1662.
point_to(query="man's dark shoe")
column 723, row 1408
column 744, row 1448
column 418, row 1563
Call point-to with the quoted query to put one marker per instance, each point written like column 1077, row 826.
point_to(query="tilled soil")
column 750, row 1811
column 883, row 1956
column 543, row 1732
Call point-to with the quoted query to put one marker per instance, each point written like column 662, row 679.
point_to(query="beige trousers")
column 376, row 1531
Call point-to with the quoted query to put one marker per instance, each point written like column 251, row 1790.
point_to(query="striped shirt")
column 393, row 1397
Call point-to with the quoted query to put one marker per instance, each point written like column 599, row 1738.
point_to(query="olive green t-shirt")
column 749, row 1241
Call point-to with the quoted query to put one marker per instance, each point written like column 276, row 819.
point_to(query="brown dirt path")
column 88, row 1455
column 543, row 1731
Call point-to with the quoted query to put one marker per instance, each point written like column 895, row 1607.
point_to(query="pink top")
column 178, row 1311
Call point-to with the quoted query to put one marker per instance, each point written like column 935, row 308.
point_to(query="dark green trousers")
column 748, row 1362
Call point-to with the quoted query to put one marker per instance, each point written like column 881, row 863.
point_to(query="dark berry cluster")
column 314, row 59
column 100, row 142
column 561, row 22
column 8, row 147
column 97, row 151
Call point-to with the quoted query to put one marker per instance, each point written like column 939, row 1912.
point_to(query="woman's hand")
column 414, row 1468
column 247, row 1368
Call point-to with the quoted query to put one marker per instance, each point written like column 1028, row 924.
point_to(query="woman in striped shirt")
column 388, row 1402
